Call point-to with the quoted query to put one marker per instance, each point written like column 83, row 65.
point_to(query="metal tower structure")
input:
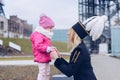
column 1, row 8
column 88, row 8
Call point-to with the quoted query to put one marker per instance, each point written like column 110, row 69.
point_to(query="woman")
column 79, row 65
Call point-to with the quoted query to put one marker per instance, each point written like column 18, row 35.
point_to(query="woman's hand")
column 54, row 53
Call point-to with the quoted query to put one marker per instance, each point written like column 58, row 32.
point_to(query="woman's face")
column 70, row 35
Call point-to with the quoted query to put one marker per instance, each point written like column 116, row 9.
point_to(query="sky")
column 63, row 12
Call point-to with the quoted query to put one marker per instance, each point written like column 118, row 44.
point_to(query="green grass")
column 16, row 58
column 26, row 44
column 61, row 46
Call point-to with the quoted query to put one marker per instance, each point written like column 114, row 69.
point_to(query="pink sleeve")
column 39, row 45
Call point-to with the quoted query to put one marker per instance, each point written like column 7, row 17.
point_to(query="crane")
column 1, row 8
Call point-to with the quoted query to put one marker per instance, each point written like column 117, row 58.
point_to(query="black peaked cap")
column 79, row 28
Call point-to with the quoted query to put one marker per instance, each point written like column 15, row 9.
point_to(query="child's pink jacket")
column 40, row 43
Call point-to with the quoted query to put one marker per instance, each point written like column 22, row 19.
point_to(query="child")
column 41, row 46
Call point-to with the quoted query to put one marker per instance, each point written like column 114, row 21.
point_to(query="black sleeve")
column 64, row 66
column 68, row 69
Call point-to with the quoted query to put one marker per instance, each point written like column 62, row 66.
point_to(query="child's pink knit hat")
column 46, row 22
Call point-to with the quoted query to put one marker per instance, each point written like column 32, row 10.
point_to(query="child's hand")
column 56, row 50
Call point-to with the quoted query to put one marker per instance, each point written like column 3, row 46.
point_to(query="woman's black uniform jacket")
column 79, row 65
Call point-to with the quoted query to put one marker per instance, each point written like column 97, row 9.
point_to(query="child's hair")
column 74, row 39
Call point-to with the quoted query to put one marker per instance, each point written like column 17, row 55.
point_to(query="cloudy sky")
column 63, row 12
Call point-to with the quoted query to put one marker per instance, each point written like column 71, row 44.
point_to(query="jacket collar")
column 44, row 32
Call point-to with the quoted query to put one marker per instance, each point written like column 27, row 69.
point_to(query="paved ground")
column 105, row 67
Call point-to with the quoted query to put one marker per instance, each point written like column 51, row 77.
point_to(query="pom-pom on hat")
column 46, row 22
column 96, row 26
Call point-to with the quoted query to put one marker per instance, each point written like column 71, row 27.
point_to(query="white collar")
column 44, row 32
